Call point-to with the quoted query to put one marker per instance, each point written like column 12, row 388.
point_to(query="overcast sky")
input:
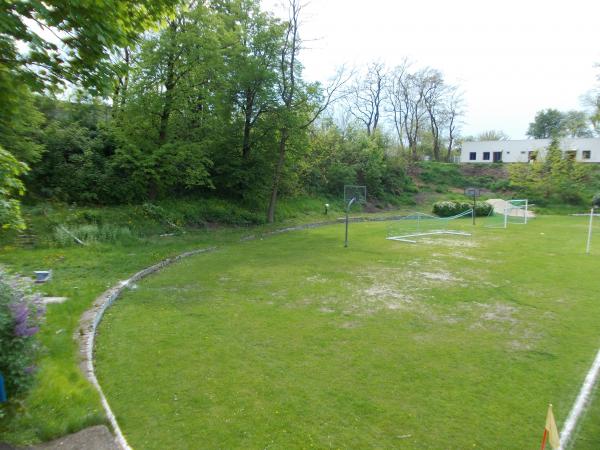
column 511, row 58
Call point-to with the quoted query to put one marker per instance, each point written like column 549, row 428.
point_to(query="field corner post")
column 589, row 238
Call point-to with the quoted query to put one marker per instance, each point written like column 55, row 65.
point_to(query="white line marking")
column 580, row 403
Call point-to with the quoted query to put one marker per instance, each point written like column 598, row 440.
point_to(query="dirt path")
column 92, row 438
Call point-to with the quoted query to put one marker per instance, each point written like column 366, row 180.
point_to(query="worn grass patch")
column 294, row 341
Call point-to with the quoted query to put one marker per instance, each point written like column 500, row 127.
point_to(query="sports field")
column 292, row 341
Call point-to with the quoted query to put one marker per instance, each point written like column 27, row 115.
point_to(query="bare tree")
column 407, row 99
column 366, row 96
column 452, row 112
column 396, row 100
column 434, row 91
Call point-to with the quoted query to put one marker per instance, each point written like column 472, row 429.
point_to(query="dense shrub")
column 20, row 316
column 448, row 208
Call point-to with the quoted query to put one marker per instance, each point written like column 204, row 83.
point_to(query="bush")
column 20, row 316
column 448, row 208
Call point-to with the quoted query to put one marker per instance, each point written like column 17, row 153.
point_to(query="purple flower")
column 21, row 313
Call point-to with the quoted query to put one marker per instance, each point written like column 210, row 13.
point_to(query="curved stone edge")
column 88, row 323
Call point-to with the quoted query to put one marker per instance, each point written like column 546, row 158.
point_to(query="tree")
column 434, row 90
column 10, row 188
column 47, row 44
column 547, row 124
column 407, row 92
column 253, row 56
column 552, row 123
column 173, row 107
column 366, row 96
column 492, row 135
column 300, row 104
column 452, row 112
column 553, row 178
column 70, row 41
column 576, row 124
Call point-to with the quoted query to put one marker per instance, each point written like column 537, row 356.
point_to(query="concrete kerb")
column 88, row 323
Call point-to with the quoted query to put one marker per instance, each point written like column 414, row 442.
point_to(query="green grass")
column 294, row 342
column 61, row 400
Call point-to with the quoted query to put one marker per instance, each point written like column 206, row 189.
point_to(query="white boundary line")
column 580, row 403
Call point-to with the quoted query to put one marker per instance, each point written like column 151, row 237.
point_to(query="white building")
column 580, row 149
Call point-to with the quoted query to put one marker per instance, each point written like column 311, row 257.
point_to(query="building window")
column 486, row 156
column 498, row 157
column 472, row 156
column 571, row 154
column 586, row 154
column 532, row 155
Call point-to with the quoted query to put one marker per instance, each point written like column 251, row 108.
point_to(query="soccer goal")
column 517, row 211
column 505, row 212
column 415, row 225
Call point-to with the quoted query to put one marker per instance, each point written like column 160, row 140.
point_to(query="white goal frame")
column 426, row 217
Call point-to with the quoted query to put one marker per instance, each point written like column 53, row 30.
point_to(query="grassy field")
column 61, row 400
column 293, row 341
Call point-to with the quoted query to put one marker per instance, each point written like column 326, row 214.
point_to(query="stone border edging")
column 88, row 323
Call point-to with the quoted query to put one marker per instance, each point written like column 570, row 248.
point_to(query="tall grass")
column 91, row 233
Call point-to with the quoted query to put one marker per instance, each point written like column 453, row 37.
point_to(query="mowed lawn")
column 293, row 341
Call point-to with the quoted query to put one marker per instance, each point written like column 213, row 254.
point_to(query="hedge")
column 450, row 208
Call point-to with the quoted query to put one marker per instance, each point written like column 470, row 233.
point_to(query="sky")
column 510, row 58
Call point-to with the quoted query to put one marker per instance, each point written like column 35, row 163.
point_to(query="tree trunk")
column 247, row 124
column 449, row 151
column 166, row 111
column 277, row 176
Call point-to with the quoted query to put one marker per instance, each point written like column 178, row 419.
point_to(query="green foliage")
column 551, row 123
column 10, row 188
column 552, row 179
column 452, row 208
column 88, row 33
column 339, row 158
column 20, row 317
column 596, row 200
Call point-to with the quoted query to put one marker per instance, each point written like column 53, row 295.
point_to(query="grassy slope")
column 294, row 342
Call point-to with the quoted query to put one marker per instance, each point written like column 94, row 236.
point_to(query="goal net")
column 358, row 193
column 517, row 211
column 506, row 212
column 415, row 225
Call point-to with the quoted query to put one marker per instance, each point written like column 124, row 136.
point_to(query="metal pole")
column 347, row 213
column 473, row 214
column 505, row 216
column 589, row 239
column 526, row 209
